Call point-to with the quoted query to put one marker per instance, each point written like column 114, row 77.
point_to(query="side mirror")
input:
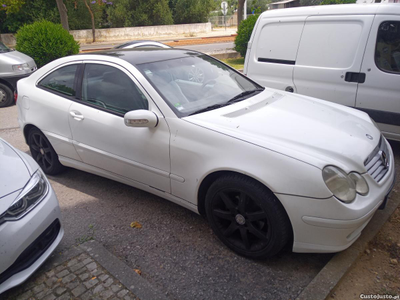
column 141, row 118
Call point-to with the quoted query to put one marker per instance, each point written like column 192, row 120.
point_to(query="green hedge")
column 45, row 41
column 244, row 33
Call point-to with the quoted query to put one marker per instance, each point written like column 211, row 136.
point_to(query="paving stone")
column 106, row 294
column 90, row 283
column 59, row 268
column 96, row 272
column 49, row 297
column 37, row 289
column 43, row 294
column 73, row 284
column 24, row 296
column 68, row 278
column 79, row 290
column 103, row 277
column 92, row 266
column 51, row 273
column 83, row 256
column 49, row 282
column 128, row 297
column 98, row 289
column 72, row 262
column 122, row 293
column 86, row 296
column 77, row 267
column 115, row 288
column 84, row 276
column 62, row 273
column 65, row 296
column 40, row 279
column 80, row 271
column 58, row 291
column 87, row 261
column 108, row 282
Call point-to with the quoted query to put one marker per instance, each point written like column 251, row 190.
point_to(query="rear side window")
column 387, row 52
column 61, row 80
column 111, row 89
column 278, row 42
column 329, row 44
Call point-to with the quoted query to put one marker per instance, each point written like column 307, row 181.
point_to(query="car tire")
column 247, row 217
column 43, row 153
column 6, row 95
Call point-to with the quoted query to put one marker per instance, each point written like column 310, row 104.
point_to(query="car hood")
column 311, row 130
column 16, row 58
column 14, row 174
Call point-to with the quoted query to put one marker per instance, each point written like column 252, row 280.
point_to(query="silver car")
column 14, row 65
column 30, row 227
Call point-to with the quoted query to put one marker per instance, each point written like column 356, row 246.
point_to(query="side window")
column 110, row 88
column 61, row 80
column 329, row 44
column 387, row 51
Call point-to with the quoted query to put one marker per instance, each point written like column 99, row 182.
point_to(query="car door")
column 101, row 137
column 379, row 95
column 329, row 59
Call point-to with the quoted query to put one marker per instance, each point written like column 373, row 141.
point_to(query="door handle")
column 355, row 77
column 76, row 115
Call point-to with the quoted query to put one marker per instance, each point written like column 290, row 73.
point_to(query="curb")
column 340, row 264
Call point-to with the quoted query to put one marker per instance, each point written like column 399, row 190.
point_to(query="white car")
column 30, row 227
column 141, row 44
column 264, row 166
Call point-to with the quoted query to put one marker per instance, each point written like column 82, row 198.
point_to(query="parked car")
column 14, row 65
column 30, row 227
column 348, row 54
column 142, row 44
column 262, row 165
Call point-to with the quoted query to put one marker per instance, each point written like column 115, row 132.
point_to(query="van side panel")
column 273, row 52
column 330, row 55
column 379, row 95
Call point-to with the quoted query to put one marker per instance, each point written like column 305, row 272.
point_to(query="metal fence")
column 219, row 21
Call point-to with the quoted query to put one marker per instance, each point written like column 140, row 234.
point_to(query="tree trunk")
column 92, row 16
column 63, row 14
column 240, row 12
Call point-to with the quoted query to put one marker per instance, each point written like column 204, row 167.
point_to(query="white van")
column 348, row 54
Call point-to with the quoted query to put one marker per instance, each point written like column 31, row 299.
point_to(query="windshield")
column 4, row 48
column 195, row 84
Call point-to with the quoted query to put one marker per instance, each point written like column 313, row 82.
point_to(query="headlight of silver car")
column 344, row 186
column 22, row 67
column 33, row 192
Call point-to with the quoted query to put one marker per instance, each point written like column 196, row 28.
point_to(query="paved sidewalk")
column 84, row 272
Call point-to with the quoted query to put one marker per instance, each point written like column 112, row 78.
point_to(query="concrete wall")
column 136, row 33
column 128, row 33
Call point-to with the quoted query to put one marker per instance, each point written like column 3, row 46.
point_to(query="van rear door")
column 379, row 95
column 272, row 51
column 329, row 58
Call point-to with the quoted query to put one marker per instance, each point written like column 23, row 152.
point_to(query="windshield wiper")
column 243, row 95
column 211, row 107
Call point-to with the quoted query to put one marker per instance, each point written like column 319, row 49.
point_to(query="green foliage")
column 127, row 13
column 45, row 41
column 244, row 33
column 329, row 2
column 310, row 2
column 192, row 11
column 79, row 16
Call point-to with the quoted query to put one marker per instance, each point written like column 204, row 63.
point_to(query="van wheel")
column 6, row 95
column 247, row 217
column 43, row 153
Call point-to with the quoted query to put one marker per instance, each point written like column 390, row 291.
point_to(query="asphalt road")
column 175, row 249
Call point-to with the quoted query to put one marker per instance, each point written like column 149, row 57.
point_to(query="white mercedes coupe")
column 264, row 166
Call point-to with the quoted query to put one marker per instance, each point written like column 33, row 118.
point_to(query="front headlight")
column 344, row 186
column 34, row 192
column 21, row 67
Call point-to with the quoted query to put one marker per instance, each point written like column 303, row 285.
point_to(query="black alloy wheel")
column 247, row 217
column 43, row 153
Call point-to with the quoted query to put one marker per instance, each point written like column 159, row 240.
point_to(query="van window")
column 278, row 42
column 331, row 44
column 61, row 80
column 387, row 51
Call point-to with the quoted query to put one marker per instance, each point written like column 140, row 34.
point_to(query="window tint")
column 110, row 88
column 61, row 80
column 387, row 52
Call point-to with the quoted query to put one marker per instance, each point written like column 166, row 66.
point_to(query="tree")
column 330, row 2
column 63, row 14
column 240, row 12
column 192, row 11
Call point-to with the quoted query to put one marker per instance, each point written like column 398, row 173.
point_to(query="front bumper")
column 27, row 243
column 329, row 225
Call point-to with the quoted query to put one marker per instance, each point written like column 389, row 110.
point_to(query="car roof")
column 138, row 42
column 138, row 56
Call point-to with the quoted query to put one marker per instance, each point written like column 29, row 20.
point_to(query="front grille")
column 377, row 163
column 33, row 252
